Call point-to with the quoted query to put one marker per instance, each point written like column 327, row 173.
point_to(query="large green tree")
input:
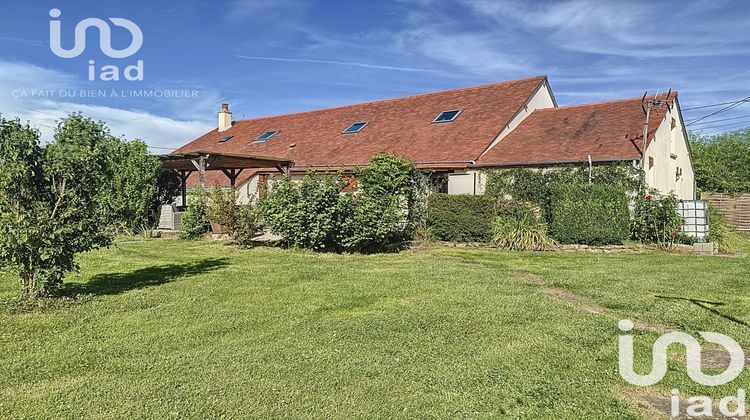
column 722, row 162
column 61, row 199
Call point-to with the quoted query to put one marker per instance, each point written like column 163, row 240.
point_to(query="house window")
column 650, row 162
column 447, row 116
column 225, row 139
column 267, row 135
column 674, row 123
column 355, row 128
column 678, row 173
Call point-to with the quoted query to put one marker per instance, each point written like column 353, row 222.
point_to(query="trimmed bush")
column 461, row 218
column 589, row 214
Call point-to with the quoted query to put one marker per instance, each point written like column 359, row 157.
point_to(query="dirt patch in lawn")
column 715, row 358
column 582, row 303
column 528, row 278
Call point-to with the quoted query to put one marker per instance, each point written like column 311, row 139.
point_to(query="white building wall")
column 669, row 152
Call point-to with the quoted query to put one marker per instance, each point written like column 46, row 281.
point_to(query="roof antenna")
column 669, row 107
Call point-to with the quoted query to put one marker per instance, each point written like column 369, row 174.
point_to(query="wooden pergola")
column 232, row 164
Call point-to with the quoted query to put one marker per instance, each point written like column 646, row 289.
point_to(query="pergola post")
column 200, row 165
column 183, row 186
column 232, row 174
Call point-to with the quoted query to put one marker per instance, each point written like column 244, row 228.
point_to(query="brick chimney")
column 225, row 118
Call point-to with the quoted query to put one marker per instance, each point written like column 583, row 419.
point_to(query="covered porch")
column 231, row 164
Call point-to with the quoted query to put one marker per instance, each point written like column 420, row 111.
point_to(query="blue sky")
column 274, row 56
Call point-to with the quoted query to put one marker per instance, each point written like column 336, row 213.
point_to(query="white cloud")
column 473, row 52
column 340, row 63
column 43, row 111
column 630, row 29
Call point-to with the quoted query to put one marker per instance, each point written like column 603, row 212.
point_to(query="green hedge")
column 589, row 214
column 461, row 218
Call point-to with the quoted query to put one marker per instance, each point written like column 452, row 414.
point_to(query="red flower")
column 649, row 198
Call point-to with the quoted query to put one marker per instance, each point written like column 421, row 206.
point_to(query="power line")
column 723, row 125
column 713, row 105
column 724, row 119
column 726, row 108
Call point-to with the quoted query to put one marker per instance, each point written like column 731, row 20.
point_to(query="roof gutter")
column 551, row 163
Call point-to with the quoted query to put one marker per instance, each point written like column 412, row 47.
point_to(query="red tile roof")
column 606, row 131
column 402, row 126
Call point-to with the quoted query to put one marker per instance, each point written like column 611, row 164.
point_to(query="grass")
column 176, row 329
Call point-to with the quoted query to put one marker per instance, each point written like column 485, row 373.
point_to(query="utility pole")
column 647, row 106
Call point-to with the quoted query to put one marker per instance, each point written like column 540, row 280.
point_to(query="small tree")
column 52, row 203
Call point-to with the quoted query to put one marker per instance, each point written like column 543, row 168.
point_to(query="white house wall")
column 669, row 151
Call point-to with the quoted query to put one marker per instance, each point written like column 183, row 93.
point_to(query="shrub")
column 374, row 223
column 54, row 200
column 246, row 225
column 133, row 184
column 520, row 232
column 395, row 181
column 588, row 214
column 222, row 207
column 195, row 219
column 314, row 213
column 656, row 220
column 461, row 218
column 308, row 213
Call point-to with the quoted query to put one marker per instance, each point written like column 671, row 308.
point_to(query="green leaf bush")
column 247, row 225
column 222, row 206
column 461, row 218
column 315, row 213
column 656, row 220
column 195, row 223
column 588, row 214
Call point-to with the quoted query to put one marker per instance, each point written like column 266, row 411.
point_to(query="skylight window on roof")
column 447, row 116
column 225, row 139
column 267, row 135
column 355, row 128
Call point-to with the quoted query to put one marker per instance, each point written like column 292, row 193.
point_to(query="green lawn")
column 176, row 329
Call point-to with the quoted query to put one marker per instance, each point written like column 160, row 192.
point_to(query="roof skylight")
column 355, row 128
column 267, row 135
column 225, row 139
column 447, row 116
